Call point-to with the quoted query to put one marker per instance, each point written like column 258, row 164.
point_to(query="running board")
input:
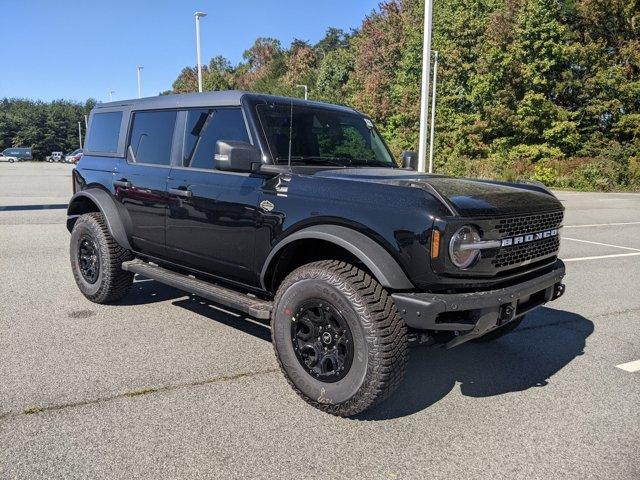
column 229, row 298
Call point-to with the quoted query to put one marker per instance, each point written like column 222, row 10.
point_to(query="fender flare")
column 380, row 262
column 107, row 206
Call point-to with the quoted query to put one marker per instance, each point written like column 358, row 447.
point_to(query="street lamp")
column 424, row 93
column 199, row 15
column 111, row 95
column 306, row 91
column 139, row 69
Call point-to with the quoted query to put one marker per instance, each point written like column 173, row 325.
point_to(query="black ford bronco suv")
column 296, row 211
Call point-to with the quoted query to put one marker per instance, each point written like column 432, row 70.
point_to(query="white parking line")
column 601, row 225
column 603, row 244
column 580, row 259
column 630, row 367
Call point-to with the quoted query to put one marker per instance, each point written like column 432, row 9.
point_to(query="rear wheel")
column 500, row 332
column 96, row 260
column 339, row 340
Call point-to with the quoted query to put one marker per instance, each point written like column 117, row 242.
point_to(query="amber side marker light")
column 435, row 243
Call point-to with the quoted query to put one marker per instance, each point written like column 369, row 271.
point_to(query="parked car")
column 56, row 157
column 296, row 212
column 18, row 153
column 73, row 157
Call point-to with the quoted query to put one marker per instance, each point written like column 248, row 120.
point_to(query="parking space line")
column 598, row 257
column 601, row 225
column 602, row 244
column 630, row 366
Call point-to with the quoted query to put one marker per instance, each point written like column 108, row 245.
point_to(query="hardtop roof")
column 227, row 98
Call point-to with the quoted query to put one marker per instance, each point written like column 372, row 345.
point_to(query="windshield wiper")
column 339, row 161
column 371, row 163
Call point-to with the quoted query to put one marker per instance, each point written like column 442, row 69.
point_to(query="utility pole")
column 198, row 16
column 139, row 69
column 433, row 110
column 80, row 133
column 306, row 91
column 424, row 92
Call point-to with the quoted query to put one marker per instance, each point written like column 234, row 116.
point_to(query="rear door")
column 141, row 182
column 212, row 215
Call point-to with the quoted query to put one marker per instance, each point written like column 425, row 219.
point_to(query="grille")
column 510, row 227
column 527, row 251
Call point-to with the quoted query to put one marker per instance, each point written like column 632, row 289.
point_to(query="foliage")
column 527, row 89
column 44, row 127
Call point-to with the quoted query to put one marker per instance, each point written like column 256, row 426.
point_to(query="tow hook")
column 558, row 291
column 507, row 314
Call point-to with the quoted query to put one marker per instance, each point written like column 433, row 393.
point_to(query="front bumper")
column 473, row 314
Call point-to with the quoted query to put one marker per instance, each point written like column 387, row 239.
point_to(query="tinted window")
column 322, row 136
column 151, row 137
column 204, row 128
column 104, row 133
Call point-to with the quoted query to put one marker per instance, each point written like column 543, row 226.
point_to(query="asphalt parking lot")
column 164, row 385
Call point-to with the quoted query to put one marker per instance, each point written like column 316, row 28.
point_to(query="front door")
column 141, row 182
column 212, row 215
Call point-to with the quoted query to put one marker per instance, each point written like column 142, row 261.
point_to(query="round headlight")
column 460, row 247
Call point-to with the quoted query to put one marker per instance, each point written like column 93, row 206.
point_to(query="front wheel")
column 96, row 260
column 338, row 338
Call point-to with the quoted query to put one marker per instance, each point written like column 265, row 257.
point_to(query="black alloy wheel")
column 89, row 259
column 322, row 341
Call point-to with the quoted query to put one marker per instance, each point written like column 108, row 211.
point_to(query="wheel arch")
column 97, row 200
column 343, row 241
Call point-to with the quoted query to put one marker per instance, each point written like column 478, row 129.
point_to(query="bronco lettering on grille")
column 530, row 237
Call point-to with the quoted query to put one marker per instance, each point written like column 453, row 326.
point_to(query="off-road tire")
column 113, row 283
column 379, row 336
column 500, row 332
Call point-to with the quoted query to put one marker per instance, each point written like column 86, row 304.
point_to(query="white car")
column 8, row 159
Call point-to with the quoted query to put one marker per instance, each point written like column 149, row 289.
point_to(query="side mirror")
column 410, row 160
column 236, row 156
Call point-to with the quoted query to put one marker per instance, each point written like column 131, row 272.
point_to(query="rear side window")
column 151, row 137
column 104, row 133
column 204, row 128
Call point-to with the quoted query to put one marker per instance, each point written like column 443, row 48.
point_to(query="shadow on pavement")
column 145, row 291
column 547, row 340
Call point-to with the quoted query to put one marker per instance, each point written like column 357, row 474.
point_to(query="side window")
column 151, row 137
column 204, row 128
column 104, row 132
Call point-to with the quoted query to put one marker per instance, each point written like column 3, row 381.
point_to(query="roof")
column 227, row 98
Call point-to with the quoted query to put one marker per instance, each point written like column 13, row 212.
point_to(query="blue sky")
column 70, row 49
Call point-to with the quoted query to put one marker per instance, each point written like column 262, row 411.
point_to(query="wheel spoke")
column 322, row 341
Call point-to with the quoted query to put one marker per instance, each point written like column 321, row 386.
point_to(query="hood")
column 467, row 197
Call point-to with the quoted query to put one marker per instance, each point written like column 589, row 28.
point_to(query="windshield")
column 322, row 136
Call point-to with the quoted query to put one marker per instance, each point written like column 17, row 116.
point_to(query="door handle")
column 122, row 183
column 181, row 192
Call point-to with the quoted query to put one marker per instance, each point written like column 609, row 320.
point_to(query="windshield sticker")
column 369, row 123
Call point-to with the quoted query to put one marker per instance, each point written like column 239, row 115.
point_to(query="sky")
column 75, row 50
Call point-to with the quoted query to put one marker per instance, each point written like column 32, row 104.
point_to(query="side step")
column 229, row 298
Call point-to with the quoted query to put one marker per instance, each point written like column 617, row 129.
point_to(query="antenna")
column 290, row 132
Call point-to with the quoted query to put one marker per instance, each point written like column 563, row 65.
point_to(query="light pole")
column 199, row 15
column 139, row 69
column 306, row 91
column 111, row 92
column 424, row 93
column 433, row 110
column 80, row 133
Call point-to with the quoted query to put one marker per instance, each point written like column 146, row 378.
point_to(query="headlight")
column 462, row 247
